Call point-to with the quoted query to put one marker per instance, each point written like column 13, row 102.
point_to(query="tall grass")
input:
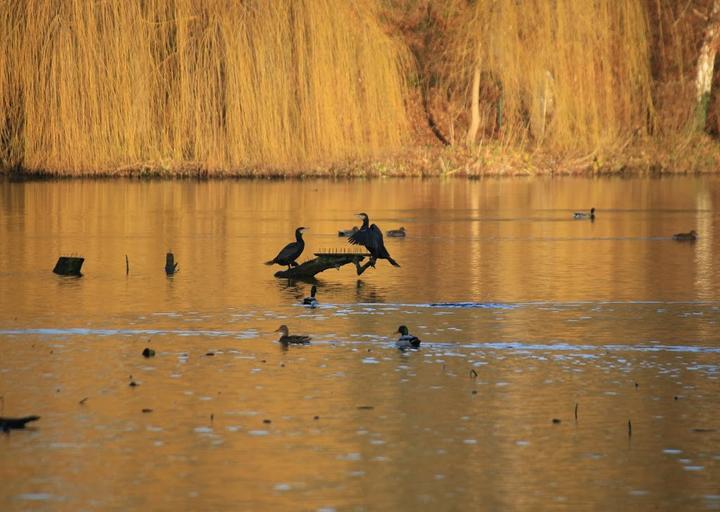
column 103, row 86
column 569, row 75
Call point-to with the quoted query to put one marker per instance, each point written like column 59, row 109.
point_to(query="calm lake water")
column 523, row 312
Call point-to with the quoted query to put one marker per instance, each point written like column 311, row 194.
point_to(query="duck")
column 348, row 232
column 7, row 424
column 396, row 233
column 406, row 340
column 585, row 215
column 311, row 301
column 685, row 237
column 287, row 339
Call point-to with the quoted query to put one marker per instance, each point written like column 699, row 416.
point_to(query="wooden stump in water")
column 68, row 266
column 324, row 261
column 170, row 265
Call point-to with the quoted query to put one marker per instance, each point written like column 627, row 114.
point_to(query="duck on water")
column 685, row 237
column 371, row 238
column 287, row 339
column 396, row 233
column 311, row 301
column 406, row 340
column 585, row 215
column 291, row 251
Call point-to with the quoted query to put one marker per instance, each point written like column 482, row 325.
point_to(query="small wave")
column 76, row 331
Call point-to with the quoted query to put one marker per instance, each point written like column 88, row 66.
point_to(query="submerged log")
column 324, row 261
column 7, row 424
column 68, row 266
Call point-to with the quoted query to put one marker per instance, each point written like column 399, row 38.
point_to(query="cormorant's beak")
column 303, row 230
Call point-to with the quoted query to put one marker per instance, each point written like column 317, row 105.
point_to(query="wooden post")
column 170, row 265
column 69, row 266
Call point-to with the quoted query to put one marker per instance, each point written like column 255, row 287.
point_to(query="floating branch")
column 69, row 266
column 324, row 261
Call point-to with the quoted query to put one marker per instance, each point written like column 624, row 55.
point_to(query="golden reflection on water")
column 573, row 312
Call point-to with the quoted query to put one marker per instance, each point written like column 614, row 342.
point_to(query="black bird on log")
column 291, row 251
column 371, row 237
column 7, row 424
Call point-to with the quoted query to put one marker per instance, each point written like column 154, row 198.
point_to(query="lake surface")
column 526, row 316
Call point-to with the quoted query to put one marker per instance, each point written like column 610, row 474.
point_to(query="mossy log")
column 324, row 261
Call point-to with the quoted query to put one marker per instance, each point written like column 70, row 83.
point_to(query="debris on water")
column 576, row 408
column 365, row 407
column 69, row 266
column 675, row 397
column 473, row 373
column 146, row 410
column 133, row 384
column 7, row 424
column 637, row 385
column 474, row 391
column 267, row 421
column 556, row 420
column 316, row 417
column 82, row 402
column 210, row 354
column 629, row 428
column 702, row 430
column 148, row 352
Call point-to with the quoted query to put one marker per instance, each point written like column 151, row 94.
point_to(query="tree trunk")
column 474, row 108
column 705, row 66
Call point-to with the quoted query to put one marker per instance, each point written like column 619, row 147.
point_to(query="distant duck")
column 348, row 232
column 7, row 424
column 311, row 301
column 685, row 237
column 287, row 339
column 406, row 340
column 396, row 233
column 585, row 215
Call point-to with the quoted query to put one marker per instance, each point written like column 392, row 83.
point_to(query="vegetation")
column 380, row 87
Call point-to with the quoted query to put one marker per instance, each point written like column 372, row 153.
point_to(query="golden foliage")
column 218, row 85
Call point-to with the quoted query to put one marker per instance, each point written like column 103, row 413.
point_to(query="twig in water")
column 576, row 406
column 473, row 373
column 127, row 265
column 82, row 402
column 629, row 428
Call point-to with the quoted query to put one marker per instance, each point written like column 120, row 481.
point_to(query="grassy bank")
column 374, row 87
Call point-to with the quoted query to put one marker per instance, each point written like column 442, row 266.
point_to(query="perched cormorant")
column 7, row 424
column 311, row 301
column 396, row 233
column 406, row 340
column 685, row 237
column 286, row 339
column 348, row 232
column 291, row 251
column 585, row 215
column 371, row 237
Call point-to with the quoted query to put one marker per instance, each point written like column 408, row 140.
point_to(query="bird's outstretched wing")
column 361, row 237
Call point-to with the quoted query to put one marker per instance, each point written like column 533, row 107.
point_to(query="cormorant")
column 685, row 237
column 371, row 237
column 311, row 301
column 7, row 424
column 348, row 232
column 295, row 339
column 291, row 251
column 406, row 340
column 585, row 215
column 396, row 233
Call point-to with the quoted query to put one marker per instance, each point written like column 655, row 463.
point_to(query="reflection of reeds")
column 214, row 85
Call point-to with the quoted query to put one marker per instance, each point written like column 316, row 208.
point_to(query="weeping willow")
column 570, row 75
column 92, row 86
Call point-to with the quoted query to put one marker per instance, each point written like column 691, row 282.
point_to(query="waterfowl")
column 371, row 238
column 7, row 424
column 396, row 233
column 406, row 340
column 291, row 251
column 311, row 301
column 685, row 237
column 348, row 232
column 585, row 215
column 295, row 339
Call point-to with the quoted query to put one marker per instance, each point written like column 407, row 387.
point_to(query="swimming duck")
column 348, row 232
column 585, row 215
column 311, row 301
column 291, row 251
column 397, row 233
column 406, row 340
column 685, row 237
column 7, row 424
column 295, row 339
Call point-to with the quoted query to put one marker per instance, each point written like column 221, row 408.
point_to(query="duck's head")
column 403, row 330
column 592, row 211
column 313, row 291
column 693, row 233
column 402, row 229
column 283, row 329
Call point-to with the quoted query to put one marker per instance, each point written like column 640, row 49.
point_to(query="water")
column 523, row 312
